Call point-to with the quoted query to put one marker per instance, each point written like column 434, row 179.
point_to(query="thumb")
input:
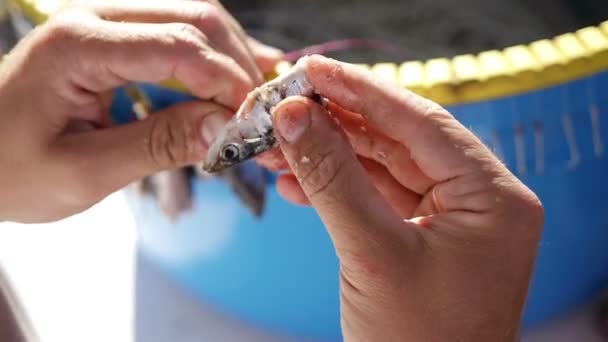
column 330, row 175
column 109, row 159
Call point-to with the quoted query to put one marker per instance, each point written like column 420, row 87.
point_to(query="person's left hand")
column 60, row 153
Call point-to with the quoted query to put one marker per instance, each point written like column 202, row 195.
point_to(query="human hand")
column 60, row 153
column 436, row 238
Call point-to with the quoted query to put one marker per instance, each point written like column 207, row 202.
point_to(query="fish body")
column 250, row 132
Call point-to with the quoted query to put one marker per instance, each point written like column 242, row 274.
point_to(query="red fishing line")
column 344, row 44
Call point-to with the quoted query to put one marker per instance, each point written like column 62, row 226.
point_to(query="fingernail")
column 211, row 127
column 293, row 120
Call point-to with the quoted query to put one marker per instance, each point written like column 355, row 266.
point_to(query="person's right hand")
column 59, row 153
column 436, row 238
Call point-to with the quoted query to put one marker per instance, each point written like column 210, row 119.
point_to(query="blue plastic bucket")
column 280, row 272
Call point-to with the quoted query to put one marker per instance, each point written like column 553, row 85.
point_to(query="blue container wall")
column 280, row 272
column 572, row 267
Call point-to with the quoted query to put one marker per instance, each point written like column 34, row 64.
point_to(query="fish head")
column 250, row 132
column 235, row 144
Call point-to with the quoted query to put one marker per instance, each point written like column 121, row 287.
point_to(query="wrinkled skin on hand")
column 436, row 238
column 60, row 153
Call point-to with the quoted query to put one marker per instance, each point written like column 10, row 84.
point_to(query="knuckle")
column 516, row 203
column 209, row 19
column 536, row 211
column 430, row 110
column 70, row 22
column 60, row 31
column 186, row 38
column 57, row 44
column 172, row 141
column 526, row 215
column 70, row 28
column 435, row 112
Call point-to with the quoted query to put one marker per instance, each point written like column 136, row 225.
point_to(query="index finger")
column 438, row 143
column 108, row 54
column 206, row 17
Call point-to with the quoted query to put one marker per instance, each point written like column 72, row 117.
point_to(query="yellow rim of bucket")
column 465, row 78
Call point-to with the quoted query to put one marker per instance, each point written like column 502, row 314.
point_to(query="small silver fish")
column 250, row 132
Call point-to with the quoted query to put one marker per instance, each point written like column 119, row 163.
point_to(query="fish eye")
column 230, row 153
